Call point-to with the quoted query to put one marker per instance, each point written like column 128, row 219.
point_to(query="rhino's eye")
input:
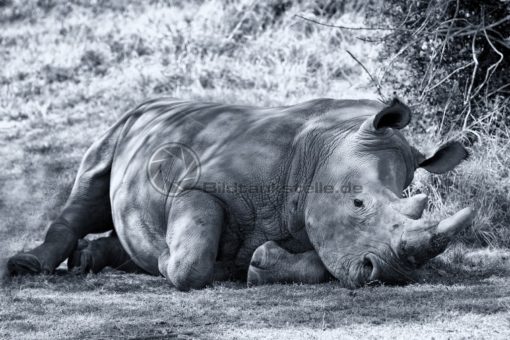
column 358, row 203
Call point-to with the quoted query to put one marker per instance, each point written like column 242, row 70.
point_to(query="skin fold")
column 303, row 193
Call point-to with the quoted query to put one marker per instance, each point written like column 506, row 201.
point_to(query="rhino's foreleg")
column 271, row 263
column 100, row 253
column 194, row 229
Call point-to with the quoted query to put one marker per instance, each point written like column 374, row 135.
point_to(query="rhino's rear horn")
column 412, row 207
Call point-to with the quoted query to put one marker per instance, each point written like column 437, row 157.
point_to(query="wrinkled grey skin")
column 279, row 235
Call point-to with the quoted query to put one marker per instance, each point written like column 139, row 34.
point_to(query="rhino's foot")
column 25, row 263
column 258, row 276
column 93, row 256
column 264, row 265
column 271, row 263
column 82, row 260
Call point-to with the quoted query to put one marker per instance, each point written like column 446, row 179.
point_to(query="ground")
column 114, row 304
column 71, row 68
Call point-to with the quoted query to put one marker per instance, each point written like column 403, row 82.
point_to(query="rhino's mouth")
column 389, row 269
column 373, row 269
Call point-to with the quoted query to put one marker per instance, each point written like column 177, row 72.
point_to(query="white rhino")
column 301, row 193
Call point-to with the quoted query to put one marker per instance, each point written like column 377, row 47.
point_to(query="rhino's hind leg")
column 193, row 235
column 87, row 211
column 61, row 239
column 93, row 256
column 271, row 263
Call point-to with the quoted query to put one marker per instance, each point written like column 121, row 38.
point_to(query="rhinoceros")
column 203, row 192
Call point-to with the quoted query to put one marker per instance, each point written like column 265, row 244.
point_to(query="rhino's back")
column 234, row 144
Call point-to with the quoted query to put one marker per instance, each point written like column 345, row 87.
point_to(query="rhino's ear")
column 446, row 157
column 396, row 115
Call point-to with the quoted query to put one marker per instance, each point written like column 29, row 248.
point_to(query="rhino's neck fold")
column 310, row 150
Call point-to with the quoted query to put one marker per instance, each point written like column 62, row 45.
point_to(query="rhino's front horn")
column 421, row 242
column 453, row 224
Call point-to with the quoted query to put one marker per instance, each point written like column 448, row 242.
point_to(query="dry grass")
column 482, row 182
column 70, row 69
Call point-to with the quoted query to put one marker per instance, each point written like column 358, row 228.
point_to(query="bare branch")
column 374, row 81
column 490, row 71
column 467, row 98
column 448, row 76
column 351, row 28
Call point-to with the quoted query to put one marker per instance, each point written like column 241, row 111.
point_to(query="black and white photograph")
column 246, row 169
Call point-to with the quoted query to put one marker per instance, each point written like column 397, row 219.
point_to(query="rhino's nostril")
column 367, row 268
column 371, row 268
column 367, row 264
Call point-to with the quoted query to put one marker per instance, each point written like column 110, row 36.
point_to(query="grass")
column 70, row 69
column 114, row 304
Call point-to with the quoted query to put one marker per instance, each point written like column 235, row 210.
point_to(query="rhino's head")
column 364, row 230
